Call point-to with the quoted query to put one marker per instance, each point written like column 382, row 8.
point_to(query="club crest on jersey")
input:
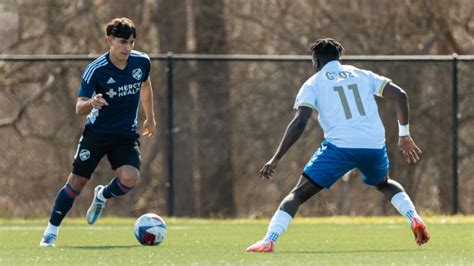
column 137, row 73
column 84, row 154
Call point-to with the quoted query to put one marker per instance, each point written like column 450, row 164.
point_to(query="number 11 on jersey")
column 345, row 104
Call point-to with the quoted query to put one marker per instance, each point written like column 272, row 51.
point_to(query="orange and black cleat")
column 261, row 246
column 422, row 236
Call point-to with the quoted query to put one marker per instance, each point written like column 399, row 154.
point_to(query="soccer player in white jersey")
column 111, row 89
column 354, row 137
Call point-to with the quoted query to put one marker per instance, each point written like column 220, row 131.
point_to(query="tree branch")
column 5, row 122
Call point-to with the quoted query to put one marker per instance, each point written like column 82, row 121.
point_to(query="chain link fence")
column 228, row 117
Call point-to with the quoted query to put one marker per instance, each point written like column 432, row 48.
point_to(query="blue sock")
column 115, row 188
column 62, row 204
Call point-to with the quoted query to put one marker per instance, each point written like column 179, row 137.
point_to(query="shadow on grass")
column 101, row 247
column 352, row 251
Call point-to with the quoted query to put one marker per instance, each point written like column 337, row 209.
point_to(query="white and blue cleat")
column 48, row 240
column 96, row 208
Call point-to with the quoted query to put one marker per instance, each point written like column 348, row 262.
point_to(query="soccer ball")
column 150, row 229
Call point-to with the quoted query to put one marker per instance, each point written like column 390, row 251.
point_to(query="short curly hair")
column 326, row 49
column 121, row 28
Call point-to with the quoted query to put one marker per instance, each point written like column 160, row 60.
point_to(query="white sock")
column 278, row 225
column 401, row 201
column 100, row 195
column 51, row 229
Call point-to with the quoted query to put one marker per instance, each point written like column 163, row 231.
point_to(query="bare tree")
column 214, row 120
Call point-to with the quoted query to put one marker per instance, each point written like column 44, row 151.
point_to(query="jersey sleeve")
column 88, row 85
column 378, row 83
column 147, row 66
column 306, row 97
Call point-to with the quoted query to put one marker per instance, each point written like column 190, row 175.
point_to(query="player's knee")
column 77, row 182
column 129, row 181
column 128, row 175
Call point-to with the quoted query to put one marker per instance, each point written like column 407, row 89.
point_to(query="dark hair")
column 326, row 49
column 121, row 28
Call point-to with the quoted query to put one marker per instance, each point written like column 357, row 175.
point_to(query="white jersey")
column 343, row 96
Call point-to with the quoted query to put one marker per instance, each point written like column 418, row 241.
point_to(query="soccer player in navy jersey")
column 111, row 89
column 354, row 137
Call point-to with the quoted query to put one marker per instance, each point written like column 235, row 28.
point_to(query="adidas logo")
column 111, row 80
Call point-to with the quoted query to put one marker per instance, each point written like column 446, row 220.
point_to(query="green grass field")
column 316, row 241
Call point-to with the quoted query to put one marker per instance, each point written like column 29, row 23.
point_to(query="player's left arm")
column 407, row 146
column 146, row 95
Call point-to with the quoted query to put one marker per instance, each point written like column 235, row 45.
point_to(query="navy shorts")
column 120, row 150
column 329, row 163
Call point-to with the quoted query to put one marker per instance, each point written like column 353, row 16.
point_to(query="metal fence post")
column 169, row 134
column 455, row 118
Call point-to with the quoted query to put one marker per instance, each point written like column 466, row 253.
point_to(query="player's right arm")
column 292, row 134
column 87, row 99
column 407, row 146
column 84, row 105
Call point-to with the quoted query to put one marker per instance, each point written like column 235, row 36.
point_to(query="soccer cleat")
column 261, row 246
column 96, row 208
column 422, row 235
column 48, row 240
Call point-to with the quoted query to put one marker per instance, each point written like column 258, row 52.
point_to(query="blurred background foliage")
column 230, row 116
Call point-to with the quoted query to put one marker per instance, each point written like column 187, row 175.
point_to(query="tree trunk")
column 214, row 125
column 172, row 18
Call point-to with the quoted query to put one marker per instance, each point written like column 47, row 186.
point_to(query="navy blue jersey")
column 120, row 88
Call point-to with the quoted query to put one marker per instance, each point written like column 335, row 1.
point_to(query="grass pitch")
column 315, row 241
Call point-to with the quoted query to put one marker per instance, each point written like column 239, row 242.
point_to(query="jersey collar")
column 107, row 55
column 332, row 64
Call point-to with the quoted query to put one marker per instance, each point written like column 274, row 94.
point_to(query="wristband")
column 403, row 130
